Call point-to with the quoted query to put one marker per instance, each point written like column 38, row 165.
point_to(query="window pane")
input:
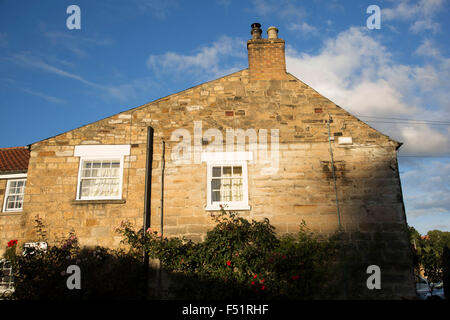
column 216, row 172
column 96, row 164
column 19, row 201
column 226, row 183
column 85, row 188
column 10, row 203
column 96, row 173
column 104, row 172
column 237, row 171
column 237, row 190
column 227, row 171
column 215, row 184
column 106, row 164
column 86, row 173
column 86, row 183
column 226, row 189
column 115, row 165
column 215, row 195
column 115, row 172
column 226, row 195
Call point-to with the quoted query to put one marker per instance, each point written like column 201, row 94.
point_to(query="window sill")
column 228, row 208
column 103, row 201
column 11, row 213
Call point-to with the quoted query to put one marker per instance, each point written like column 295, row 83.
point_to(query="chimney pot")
column 272, row 33
column 256, row 31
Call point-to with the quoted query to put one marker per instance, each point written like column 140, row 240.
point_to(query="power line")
column 403, row 119
column 411, row 123
column 424, row 156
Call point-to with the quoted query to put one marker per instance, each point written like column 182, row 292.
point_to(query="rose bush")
column 10, row 252
column 105, row 274
column 239, row 259
column 242, row 259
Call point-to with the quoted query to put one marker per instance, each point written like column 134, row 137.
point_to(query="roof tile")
column 14, row 159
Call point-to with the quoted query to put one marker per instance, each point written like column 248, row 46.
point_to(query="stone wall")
column 367, row 181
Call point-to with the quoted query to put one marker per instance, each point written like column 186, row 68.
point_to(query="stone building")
column 13, row 175
column 258, row 141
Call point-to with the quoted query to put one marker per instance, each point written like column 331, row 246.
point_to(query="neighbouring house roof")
column 14, row 159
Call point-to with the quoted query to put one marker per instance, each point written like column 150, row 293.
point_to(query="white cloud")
column 77, row 44
column 420, row 13
column 424, row 139
column 427, row 49
column 121, row 92
column 428, row 188
column 38, row 63
column 287, row 10
column 157, row 8
column 358, row 73
column 131, row 89
column 262, row 7
column 208, row 61
column 304, row 28
column 44, row 96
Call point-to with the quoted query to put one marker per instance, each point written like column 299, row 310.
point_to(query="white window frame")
column 5, row 198
column 101, row 153
column 214, row 159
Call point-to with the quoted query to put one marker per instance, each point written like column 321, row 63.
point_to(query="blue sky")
column 128, row 53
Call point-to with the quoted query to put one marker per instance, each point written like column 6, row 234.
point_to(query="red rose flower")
column 296, row 277
column 263, row 287
column 253, row 282
column 228, row 263
column 12, row 243
column 255, row 276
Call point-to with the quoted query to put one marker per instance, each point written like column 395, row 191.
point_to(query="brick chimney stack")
column 266, row 58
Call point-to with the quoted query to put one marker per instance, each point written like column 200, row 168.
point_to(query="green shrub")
column 105, row 274
column 239, row 259
column 242, row 259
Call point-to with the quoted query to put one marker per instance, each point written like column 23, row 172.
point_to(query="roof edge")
column 138, row 107
column 399, row 144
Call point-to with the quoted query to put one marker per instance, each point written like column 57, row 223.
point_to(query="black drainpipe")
column 163, row 165
column 148, row 196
